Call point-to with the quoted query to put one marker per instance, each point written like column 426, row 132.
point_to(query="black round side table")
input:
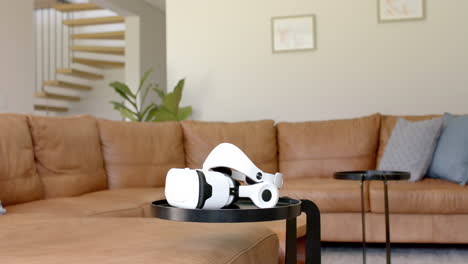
column 374, row 176
column 245, row 211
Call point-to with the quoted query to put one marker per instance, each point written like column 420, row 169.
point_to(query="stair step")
column 76, row 7
column 100, row 35
column 99, row 63
column 68, row 85
column 49, row 108
column 81, row 74
column 93, row 21
column 55, row 96
column 100, row 49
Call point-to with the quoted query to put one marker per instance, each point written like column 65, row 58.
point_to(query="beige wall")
column 360, row 66
column 16, row 56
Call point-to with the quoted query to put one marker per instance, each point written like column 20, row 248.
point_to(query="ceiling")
column 160, row 4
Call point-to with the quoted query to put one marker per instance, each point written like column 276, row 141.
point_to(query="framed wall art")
column 293, row 33
column 398, row 10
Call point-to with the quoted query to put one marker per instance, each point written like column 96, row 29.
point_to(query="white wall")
column 17, row 56
column 360, row 66
column 146, row 41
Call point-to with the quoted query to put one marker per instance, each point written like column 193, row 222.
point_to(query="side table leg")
column 387, row 223
column 291, row 241
column 363, row 222
column 313, row 254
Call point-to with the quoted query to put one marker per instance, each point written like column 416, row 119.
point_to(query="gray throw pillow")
column 451, row 155
column 411, row 147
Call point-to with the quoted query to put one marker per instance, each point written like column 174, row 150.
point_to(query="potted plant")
column 168, row 110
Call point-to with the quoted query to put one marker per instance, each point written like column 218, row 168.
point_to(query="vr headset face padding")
column 197, row 189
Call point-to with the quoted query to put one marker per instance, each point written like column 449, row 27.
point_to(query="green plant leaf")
column 125, row 112
column 143, row 80
column 148, row 108
column 172, row 99
column 151, row 114
column 163, row 114
column 145, row 94
column 119, row 106
column 121, row 90
column 124, row 88
column 160, row 92
column 184, row 113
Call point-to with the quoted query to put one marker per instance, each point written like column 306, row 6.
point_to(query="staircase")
column 73, row 49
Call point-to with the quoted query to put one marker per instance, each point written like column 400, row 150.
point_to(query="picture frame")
column 400, row 10
column 293, row 33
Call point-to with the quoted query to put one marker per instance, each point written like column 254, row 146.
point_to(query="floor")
column 411, row 254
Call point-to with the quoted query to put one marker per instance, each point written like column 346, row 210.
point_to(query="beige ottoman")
column 30, row 238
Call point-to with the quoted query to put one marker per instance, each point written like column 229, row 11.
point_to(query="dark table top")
column 372, row 175
column 241, row 211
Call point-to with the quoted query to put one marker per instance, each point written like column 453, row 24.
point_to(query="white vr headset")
column 216, row 185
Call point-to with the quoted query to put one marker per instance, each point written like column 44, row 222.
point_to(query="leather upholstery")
column 69, row 159
column 330, row 195
column 420, row 228
column 257, row 139
column 429, row 196
column 388, row 123
column 117, row 202
column 132, row 240
column 320, row 148
column 144, row 157
column 19, row 182
column 68, row 155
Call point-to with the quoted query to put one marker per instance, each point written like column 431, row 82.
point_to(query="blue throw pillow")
column 450, row 161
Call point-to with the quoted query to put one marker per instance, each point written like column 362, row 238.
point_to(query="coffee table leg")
column 363, row 222
column 387, row 224
column 313, row 253
column 291, row 250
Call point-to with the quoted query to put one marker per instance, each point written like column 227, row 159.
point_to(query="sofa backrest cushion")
column 320, row 148
column 19, row 181
column 140, row 154
column 68, row 155
column 256, row 138
column 388, row 123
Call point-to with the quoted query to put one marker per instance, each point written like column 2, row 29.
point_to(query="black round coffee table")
column 245, row 211
column 374, row 176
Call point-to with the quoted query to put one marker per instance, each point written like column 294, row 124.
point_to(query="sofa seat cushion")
column 324, row 147
column 330, row 195
column 429, row 196
column 68, row 155
column 31, row 239
column 256, row 138
column 117, row 202
column 140, row 154
column 19, row 181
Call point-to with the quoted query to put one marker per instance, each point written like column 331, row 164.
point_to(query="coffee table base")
column 242, row 211
column 384, row 176
column 313, row 244
column 387, row 224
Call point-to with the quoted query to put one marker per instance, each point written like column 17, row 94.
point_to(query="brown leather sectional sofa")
column 65, row 181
